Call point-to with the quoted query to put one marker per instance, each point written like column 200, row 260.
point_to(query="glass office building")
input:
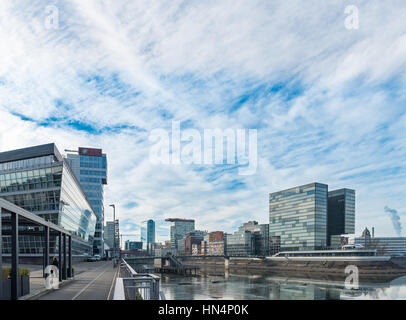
column 298, row 217
column 240, row 243
column 251, row 239
column 341, row 213
column 39, row 180
column 179, row 229
column 90, row 167
column 148, row 234
column 109, row 233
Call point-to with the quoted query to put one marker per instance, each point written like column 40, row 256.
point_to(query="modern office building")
column 109, row 233
column 90, row 167
column 310, row 217
column 341, row 214
column 240, row 243
column 260, row 233
column 39, row 180
column 148, row 234
column 179, row 229
column 133, row 245
column 298, row 217
column 251, row 239
column 181, row 246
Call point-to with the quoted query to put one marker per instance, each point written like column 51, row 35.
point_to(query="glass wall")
column 298, row 216
column 24, row 180
column 27, row 163
column 76, row 214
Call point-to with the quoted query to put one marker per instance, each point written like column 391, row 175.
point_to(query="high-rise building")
column 90, row 167
column 109, row 233
column 298, row 217
column 179, row 229
column 39, row 180
column 341, row 213
column 148, row 234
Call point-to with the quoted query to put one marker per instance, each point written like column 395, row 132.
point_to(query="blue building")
column 148, row 234
column 90, row 167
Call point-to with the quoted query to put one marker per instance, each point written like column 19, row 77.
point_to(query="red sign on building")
column 90, row 152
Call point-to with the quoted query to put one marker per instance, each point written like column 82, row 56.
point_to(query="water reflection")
column 216, row 284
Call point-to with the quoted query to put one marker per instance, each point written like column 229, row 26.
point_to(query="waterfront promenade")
column 92, row 281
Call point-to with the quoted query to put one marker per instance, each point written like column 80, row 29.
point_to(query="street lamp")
column 114, row 222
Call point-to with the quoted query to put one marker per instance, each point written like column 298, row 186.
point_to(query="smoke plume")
column 394, row 216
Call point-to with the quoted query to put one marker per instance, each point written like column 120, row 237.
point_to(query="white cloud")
column 119, row 66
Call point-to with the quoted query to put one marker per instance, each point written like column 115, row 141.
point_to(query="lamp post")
column 114, row 222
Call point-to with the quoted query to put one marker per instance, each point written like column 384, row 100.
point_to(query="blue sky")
column 329, row 103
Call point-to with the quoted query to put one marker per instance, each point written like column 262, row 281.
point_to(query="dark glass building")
column 341, row 213
column 90, row 168
column 39, row 180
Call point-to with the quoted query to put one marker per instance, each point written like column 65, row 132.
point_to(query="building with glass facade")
column 148, row 234
column 179, row 229
column 90, row 168
column 251, row 239
column 341, row 214
column 109, row 233
column 240, row 243
column 39, row 180
column 298, row 217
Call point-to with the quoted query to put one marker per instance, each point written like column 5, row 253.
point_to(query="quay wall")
column 259, row 265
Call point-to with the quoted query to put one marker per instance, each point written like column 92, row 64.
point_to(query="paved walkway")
column 92, row 281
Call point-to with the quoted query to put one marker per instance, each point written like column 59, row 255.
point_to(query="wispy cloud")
column 328, row 102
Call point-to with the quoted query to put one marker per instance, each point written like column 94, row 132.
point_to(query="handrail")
column 131, row 271
column 132, row 285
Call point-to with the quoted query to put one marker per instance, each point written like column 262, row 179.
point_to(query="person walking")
column 55, row 262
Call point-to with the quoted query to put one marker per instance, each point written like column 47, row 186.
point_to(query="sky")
column 328, row 102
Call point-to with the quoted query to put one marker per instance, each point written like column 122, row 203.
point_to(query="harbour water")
column 212, row 285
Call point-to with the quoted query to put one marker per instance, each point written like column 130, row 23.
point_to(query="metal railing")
column 136, row 286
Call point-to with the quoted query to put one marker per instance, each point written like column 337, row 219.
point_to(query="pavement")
column 92, row 281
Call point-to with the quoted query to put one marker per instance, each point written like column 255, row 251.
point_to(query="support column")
column 70, row 257
column 14, row 256
column 1, row 256
column 60, row 255
column 64, row 257
column 46, row 248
